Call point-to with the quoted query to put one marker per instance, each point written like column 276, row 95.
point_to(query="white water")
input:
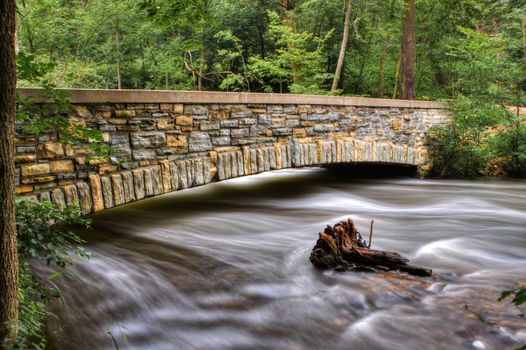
column 226, row 267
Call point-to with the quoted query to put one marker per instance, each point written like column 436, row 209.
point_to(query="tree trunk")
column 8, row 249
column 523, row 26
column 118, row 49
column 381, row 71
column 343, row 47
column 201, row 69
column 406, row 88
column 287, row 6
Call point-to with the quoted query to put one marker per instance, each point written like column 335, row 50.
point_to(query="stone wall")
column 181, row 140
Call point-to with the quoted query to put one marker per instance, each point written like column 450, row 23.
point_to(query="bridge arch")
column 171, row 141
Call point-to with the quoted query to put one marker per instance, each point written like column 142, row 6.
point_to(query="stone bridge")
column 169, row 141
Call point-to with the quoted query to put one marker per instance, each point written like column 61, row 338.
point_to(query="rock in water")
column 341, row 247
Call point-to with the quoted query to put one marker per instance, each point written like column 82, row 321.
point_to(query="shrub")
column 44, row 232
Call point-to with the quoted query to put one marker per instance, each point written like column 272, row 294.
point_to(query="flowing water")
column 226, row 266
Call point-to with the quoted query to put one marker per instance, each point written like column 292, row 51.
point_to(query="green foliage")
column 510, row 144
column 456, row 152
column 44, row 232
column 485, row 79
column 36, row 118
column 297, row 60
column 519, row 298
column 32, row 313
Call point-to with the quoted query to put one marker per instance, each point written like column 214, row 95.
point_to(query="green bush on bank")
column 482, row 141
column 44, row 232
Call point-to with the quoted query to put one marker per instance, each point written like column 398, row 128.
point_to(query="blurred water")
column 226, row 266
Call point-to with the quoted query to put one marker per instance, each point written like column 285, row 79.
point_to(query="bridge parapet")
column 175, row 140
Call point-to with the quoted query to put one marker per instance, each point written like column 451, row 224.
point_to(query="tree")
column 343, row 47
column 406, row 72
column 8, row 248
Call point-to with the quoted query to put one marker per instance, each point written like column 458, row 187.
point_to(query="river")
column 226, row 266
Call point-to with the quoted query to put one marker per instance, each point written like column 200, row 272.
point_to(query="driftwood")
column 342, row 248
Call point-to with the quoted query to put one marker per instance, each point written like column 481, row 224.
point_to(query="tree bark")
column 381, row 71
column 287, row 6
column 406, row 88
column 343, row 47
column 523, row 27
column 341, row 247
column 201, row 69
column 8, row 249
column 118, row 49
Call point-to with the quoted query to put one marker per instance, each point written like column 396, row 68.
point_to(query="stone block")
column 24, row 189
column 50, row 150
column 396, row 124
column 118, row 189
column 26, row 149
column 209, row 126
column 179, row 141
column 124, row 113
column 148, row 181
column 206, row 170
column 184, row 120
column 221, row 141
column 292, row 123
column 313, row 117
column 253, row 162
column 118, row 121
column 35, row 169
column 199, row 141
column 229, row 123
column 44, row 196
column 240, row 114
column 148, row 139
column 57, row 197
column 299, row 133
column 128, row 186
column 138, row 183
column 71, row 195
column 144, row 154
column 85, row 203
column 274, row 109
column 61, row 166
column 282, row 132
column 260, row 160
column 165, row 172
column 38, row 179
column 195, row 109
column 199, row 175
column 182, row 174
column 324, row 128
column 244, row 132
column 165, row 124
column 17, row 176
column 157, row 179
column 107, row 192
column 264, row 119
column 25, row 158
column 227, row 165
column 96, row 192
column 173, row 176
column 247, row 121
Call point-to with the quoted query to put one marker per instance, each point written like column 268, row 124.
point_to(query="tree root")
column 342, row 248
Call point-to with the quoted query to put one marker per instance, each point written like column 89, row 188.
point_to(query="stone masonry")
column 171, row 145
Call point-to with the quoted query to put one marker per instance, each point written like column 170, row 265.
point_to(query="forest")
column 470, row 53
column 278, row 45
